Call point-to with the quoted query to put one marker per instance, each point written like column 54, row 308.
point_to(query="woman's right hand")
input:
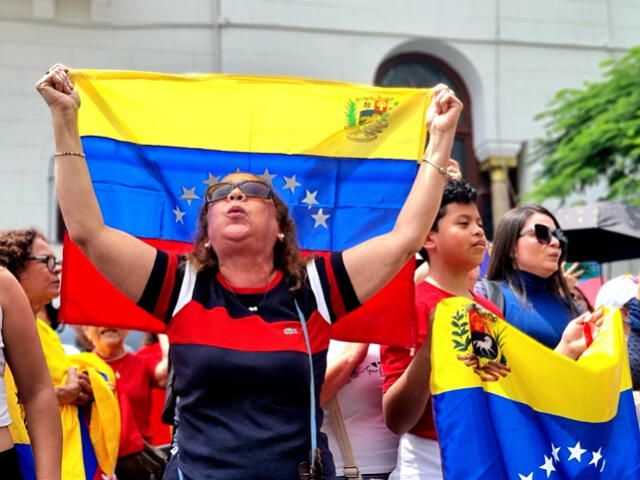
column 58, row 91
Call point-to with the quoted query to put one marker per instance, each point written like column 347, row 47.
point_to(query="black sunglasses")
column 249, row 188
column 544, row 235
column 49, row 260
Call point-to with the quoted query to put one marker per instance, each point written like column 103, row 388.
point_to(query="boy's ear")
column 429, row 243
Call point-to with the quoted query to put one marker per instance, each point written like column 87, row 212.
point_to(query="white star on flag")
column 548, row 466
column 189, row 194
column 596, row 458
column 576, row 452
column 268, row 176
column 291, row 183
column 310, row 198
column 554, row 452
column 321, row 219
column 211, row 179
column 528, row 477
column 179, row 214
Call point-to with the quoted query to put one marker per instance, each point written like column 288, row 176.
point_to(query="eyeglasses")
column 544, row 235
column 249, row 188
column 49, row 260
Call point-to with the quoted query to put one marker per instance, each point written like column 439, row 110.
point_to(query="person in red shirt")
column 455, row 246
column 151, row 350
column 135, row 378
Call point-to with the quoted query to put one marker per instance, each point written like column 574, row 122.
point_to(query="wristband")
column 70, row 154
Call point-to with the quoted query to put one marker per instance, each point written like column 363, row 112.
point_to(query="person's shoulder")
column 429, row 295
column 488, row 304
column 9, row 285
column 6, row 277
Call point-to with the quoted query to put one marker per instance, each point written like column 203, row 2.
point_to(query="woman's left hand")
column 571, row 274
column 573, row 342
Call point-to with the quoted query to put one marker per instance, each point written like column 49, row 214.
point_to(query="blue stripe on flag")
column 336, row 202
column 489, row 437
column 88, row 454
column 25, row 460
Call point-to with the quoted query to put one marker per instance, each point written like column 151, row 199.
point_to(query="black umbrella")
column 601, row 232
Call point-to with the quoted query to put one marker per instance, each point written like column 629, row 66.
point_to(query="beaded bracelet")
column 72, row 154
column 440, row 169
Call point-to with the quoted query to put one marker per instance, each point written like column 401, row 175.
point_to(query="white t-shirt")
column 374, row 446
column 4, row 412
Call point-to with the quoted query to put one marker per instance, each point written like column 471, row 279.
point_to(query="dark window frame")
column 464, row 131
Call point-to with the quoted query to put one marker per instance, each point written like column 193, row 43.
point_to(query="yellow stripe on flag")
column 585, row 390
column 284, row 115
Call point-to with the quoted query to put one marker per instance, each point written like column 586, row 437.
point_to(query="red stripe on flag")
column 87, row 297
column 388, row 318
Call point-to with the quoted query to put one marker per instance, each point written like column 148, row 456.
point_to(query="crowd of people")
column 240, row 405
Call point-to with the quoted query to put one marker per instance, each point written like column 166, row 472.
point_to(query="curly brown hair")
column 286, row 253
column 15, row 247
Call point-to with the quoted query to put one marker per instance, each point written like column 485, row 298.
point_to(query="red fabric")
column 130, row 437
column 87, row 298
column 160, row 433
column 134, row 380
column 387, row 318
column 396, row 359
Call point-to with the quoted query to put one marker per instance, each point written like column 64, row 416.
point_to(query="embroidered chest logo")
column 479, row 340
column 290, row 331
column 367, row 117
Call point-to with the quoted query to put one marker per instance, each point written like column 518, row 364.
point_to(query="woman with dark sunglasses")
column 528, row 248
column 237, row 306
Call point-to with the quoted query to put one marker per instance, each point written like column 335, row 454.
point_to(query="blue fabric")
column 489, row 437
column 362, row 198
column 542, row 316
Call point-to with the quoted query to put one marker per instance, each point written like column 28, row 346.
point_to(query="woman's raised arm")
column 373, row 263
column 123, row 259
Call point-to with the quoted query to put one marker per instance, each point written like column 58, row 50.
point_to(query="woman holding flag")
column 247, row 317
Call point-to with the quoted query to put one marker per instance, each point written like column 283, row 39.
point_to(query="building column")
column 498, row 168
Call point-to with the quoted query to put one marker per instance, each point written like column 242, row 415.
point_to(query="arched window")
column 419, row 70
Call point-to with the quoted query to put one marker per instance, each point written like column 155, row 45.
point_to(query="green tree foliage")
column 593, row 135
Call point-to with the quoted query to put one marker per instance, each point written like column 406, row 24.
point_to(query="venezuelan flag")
column 549, row 418
column 342, row 156
column 89, row 451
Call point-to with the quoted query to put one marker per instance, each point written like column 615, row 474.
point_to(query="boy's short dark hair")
column 455, row 191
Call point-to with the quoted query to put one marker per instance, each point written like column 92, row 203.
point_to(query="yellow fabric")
column 104, row 427
column 284, row 115
column 586, row 390
column 17, row 429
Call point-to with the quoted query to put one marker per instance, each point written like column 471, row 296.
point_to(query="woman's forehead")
column 240, row 177
column 540, row 218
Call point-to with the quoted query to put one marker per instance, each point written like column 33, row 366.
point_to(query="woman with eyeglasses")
column 247, row 316
column 29, row 257
column 528, row 248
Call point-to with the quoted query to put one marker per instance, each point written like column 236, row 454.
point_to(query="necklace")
column 252, row 308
